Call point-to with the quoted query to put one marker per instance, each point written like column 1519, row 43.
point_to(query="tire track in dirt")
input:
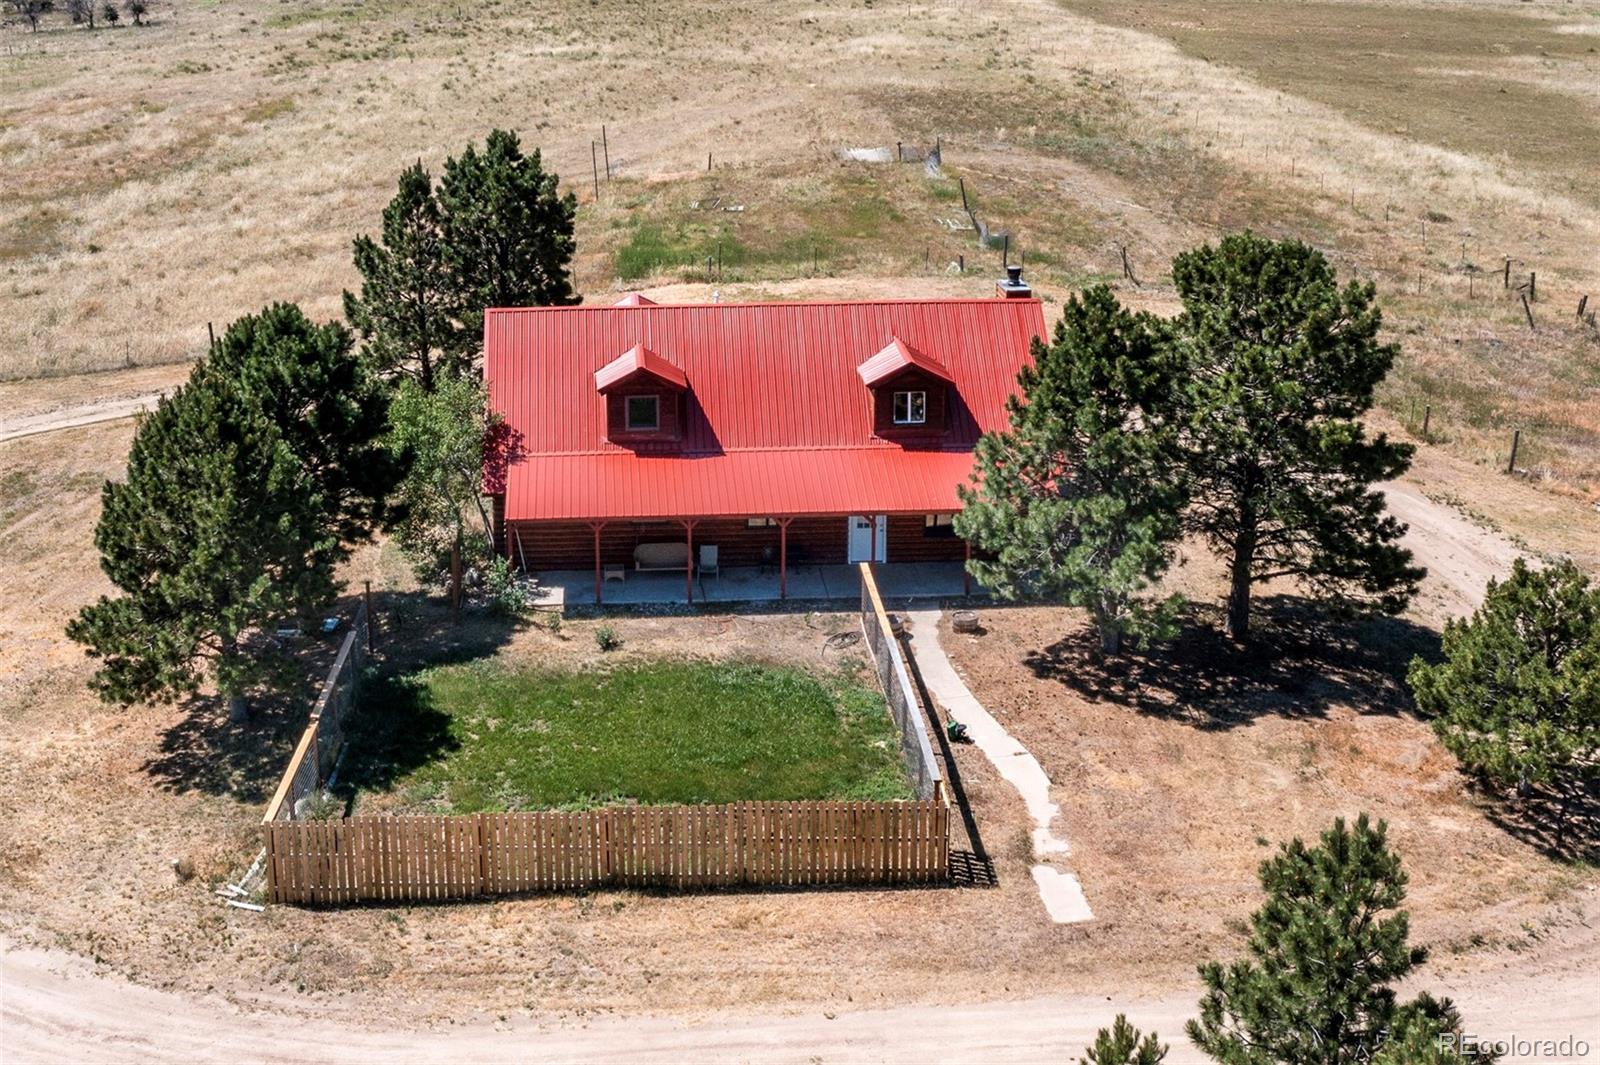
column 1460, row 555
column 105, row 410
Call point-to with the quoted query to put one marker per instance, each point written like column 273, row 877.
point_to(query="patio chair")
column 708, row 561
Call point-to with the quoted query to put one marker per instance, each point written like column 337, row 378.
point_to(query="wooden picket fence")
column 415, row 858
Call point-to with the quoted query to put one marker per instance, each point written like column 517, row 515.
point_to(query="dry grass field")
column 163, row 177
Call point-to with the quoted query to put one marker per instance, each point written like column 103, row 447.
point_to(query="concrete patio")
column 752, row 584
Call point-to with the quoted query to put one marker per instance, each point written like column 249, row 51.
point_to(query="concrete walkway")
column 749, row 584
column 1058, row 887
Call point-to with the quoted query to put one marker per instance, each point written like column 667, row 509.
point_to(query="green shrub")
column 506, row 593
column 606, row 638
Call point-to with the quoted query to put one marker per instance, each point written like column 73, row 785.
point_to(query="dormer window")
column 644, row 414
column 911, row 394
column 645, row 397
column 911, row 408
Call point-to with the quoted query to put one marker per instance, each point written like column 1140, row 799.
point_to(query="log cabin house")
column 773, row 434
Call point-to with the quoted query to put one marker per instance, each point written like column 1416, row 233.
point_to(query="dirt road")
column 57, row 1008
column 1460, row 555
column 104, row 410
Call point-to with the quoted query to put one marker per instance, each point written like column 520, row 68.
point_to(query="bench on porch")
column 661, row 557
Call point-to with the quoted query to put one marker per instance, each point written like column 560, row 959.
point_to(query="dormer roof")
column 896, row 358
column 635, row 364
column 634, row 299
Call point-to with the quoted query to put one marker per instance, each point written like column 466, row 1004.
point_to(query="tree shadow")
column 395, row 731
column 204, row 752
column 1298, row 662
column 1533, row 817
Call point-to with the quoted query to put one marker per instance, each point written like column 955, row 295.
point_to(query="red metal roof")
column 634, row 299
column 777, row 420
column 632, row 363
column 896, row 357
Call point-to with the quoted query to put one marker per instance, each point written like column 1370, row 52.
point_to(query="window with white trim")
column 910, row 408
column 643, row 414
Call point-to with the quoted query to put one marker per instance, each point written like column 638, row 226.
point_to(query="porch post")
column 966, row 576
column 597, row 526
column 688, row 570
column 783, row 557
column 872, row 552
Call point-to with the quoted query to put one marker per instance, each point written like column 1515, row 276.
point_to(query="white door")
column 861, row 538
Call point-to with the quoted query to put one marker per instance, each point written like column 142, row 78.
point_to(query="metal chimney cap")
column 1014, row 275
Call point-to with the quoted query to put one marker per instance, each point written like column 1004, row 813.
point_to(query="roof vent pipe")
column 1012, row 286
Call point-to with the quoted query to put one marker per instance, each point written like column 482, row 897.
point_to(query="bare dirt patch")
column 1177, row 775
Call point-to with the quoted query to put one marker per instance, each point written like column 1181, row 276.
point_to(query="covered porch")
column 557, row 589
column 736, row 559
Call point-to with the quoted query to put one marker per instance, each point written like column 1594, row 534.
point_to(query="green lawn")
column 485, row 736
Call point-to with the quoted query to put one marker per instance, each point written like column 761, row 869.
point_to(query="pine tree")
column 507, row 231
column 213, row 534
column 1323, row 954
column 331, row 409
column 242, row 492
column 1079, row 500
column 1428, row 1031
column 403, row 313
column 1123, row 1044
column 1281, row 365
column 1517, row 695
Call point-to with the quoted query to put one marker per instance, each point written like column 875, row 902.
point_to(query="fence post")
column 483, row 856
column 1516, row 438
column 1427, row 415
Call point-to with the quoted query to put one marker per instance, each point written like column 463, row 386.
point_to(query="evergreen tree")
column 407, row 293
column 1517, row 696
column 213, row 534
column 1324, row 952
column 243, row 489
column 1123, row 1044
column 330, row 408
column 1429, row 1032
column 1281, row 364
column 507, row 232
column 443, row 438
column 1079, row 500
